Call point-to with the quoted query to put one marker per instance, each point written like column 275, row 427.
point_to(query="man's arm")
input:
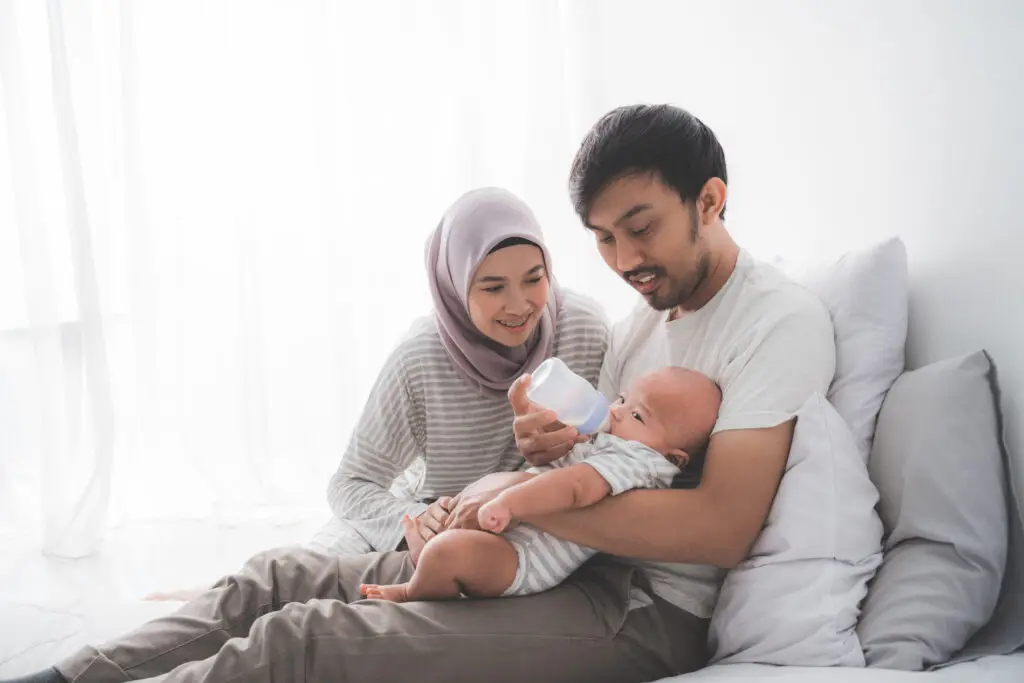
column 714, row 524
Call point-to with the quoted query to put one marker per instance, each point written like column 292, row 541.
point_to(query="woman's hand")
column 432, row 520
column 465, row 509
column 540, row 437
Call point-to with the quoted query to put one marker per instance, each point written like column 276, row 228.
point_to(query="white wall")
column 846, row 122
column 267, row 212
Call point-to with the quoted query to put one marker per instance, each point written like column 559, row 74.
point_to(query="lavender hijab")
column 472, row 226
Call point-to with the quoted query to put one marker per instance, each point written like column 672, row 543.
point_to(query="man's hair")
column 639, row 139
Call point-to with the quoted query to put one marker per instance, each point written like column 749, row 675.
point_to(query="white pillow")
column 866, row 293
column 795, row 600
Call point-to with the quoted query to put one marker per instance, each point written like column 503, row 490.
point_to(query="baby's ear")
column 679, row 458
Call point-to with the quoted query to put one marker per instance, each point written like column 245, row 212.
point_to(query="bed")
column 90, row 600
column 34, row 636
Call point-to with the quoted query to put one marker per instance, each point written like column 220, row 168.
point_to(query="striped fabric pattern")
column 426, row 432
column 545, row 560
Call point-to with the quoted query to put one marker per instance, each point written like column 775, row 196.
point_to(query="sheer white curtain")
column 211, row 226
column 212, row 213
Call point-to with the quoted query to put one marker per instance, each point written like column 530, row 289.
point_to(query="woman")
column 438, row 417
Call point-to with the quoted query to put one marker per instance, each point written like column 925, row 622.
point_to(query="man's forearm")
column 663, row 525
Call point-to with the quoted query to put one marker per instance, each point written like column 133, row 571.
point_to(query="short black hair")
column 643, row 138
column 689, row 477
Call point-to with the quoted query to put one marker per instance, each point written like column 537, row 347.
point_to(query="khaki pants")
column 294, row 615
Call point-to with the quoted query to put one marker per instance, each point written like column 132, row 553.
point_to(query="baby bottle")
column 577, row 404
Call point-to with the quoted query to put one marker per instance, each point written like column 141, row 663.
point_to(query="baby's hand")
column 494, row 516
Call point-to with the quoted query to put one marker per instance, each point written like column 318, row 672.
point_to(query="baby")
column 663, row 419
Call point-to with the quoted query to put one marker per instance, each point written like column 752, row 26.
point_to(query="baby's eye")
column 620, row 399
column 636, row 416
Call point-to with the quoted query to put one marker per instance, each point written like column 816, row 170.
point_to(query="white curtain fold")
column 212, row 217
column 212, row 212
column 76, row 510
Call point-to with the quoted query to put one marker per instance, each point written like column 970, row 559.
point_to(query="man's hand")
column 432, row 520
column 540, row 437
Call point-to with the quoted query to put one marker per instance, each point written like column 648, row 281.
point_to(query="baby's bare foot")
column 494, row 516
column 411, row 527
column 398, row 592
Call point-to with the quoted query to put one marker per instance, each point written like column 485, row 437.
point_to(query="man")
column 650, row 184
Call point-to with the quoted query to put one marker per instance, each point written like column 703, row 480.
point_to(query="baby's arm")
column 567, row 488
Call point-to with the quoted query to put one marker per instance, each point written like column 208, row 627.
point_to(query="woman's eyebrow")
column 536, row 269
column 491, row 278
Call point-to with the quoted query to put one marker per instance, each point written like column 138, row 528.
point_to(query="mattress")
column 34, row 636
column 49, row 608
column 985, row 670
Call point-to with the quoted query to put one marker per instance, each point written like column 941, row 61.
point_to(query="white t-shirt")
column 769, row 344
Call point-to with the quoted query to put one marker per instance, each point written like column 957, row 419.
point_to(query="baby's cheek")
column 625, row 429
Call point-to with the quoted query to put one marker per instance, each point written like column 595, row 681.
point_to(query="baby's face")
column 668, row 410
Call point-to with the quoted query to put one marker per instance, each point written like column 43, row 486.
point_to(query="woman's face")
column 508, row 292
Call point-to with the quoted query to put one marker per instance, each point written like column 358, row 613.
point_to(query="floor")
column 47, row 605
column 49, row 608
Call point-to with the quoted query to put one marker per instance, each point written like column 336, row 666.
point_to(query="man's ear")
column 711, row 200
column 679, row 458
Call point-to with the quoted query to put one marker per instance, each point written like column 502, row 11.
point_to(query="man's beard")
column 680, row 292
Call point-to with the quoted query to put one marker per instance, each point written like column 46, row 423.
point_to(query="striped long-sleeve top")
column 426, row 432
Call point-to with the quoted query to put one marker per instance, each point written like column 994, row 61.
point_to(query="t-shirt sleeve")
column 766, row 385
column 628, row 465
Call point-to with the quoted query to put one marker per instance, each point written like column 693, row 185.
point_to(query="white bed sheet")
column 1008, row 669
column 49, row 608
column 33, row 637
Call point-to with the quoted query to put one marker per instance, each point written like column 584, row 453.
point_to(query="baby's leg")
column 456, row 562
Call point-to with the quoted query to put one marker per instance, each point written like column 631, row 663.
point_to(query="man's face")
column 646, row 234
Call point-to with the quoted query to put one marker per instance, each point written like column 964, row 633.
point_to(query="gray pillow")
column 938, row 463
column 1004, row 633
